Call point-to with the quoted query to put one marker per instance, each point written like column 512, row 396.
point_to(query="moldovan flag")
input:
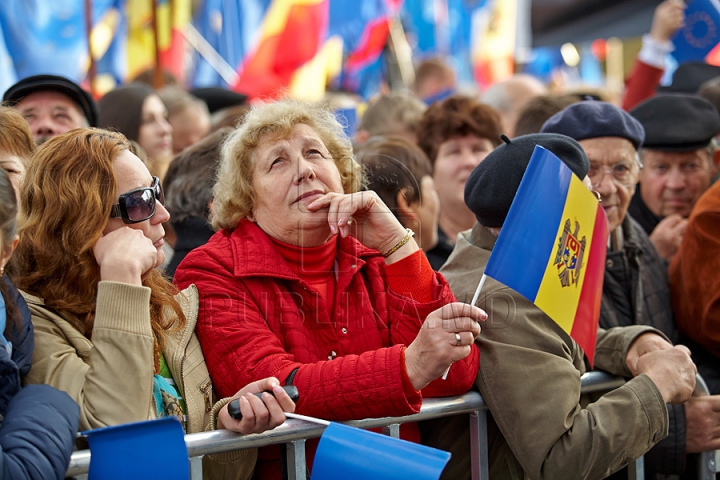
column 551, row 248
column 291, row 34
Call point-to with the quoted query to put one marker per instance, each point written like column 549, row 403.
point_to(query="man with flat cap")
column 679, row 163
column 530, row 369
column 52, row 105
column 635, row 288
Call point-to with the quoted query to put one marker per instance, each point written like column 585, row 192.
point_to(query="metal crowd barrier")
column 709, row 462
column 294, row 433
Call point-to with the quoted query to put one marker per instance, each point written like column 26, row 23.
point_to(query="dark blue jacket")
column 39, row 422
column 12, row 370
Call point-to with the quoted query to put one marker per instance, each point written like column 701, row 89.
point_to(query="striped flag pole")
column 157, row 72
column 88, row 33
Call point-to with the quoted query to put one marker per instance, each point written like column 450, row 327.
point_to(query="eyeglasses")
column 623, row 173
column 138, row 205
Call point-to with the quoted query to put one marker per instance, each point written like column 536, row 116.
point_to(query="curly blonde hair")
column 234, row 196
column 68, row 193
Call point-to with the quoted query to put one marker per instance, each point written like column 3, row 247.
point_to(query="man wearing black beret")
column 635, row 288
column 530, row 368
column 52, row 105
column 679, row 164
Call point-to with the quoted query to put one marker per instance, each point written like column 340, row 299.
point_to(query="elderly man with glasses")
column 635, row 290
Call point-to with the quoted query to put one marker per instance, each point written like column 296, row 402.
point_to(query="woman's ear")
column 406, row 209
column 8, row 251
column 361, row 136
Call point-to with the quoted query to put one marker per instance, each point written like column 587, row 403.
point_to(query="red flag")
column 291, row 34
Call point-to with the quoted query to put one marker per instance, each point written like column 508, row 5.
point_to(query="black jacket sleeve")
column 668, row 456
column 38, row 434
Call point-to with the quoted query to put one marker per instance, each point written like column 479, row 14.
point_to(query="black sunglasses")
column 138, row 205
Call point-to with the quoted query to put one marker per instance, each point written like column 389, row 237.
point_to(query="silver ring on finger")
column 458, row 340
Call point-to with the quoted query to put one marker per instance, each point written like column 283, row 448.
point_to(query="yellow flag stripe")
column 559, row 302
column 277, row 14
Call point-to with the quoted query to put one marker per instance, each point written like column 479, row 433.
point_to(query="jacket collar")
column 254, row 254
column 176, row 342
column 481, row 237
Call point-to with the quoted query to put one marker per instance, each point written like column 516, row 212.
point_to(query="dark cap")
column 218, row 98
column 591, row 119
column 677, row 122
column 492, row 185
column 689, row 76
column 38, row 83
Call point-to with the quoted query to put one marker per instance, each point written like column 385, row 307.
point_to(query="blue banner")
column 45, row 36
column 701, row 31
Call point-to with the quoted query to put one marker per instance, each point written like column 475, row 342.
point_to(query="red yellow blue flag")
column 552, row 246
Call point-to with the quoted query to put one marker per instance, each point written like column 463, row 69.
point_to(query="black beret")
column 590, row 119
column 38, row 83
column 218, row 98
column 677, row 122
column 492, row 185
column 689, row 76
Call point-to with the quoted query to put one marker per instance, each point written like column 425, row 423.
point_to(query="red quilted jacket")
column 259, row 319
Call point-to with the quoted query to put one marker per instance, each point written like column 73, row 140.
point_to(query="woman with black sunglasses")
column 109, row 328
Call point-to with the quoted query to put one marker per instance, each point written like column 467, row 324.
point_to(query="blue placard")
column 347, row 452
column 701, row 32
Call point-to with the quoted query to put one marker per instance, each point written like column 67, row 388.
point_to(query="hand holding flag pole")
column 474, row 299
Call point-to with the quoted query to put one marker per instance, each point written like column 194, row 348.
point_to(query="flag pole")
column 88, row 32
column 477, row 290
column 306, row 418
column 157, row 72
column 474, row 299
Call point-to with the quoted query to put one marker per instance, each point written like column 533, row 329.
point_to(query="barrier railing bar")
column 715, row 462
column 196, row 469
column 600, row 382
column 219, row 441
column 479, row 466
column 392, row 430
column 708, row 461
column 636, row 469
column 294, row 432
column 296, row 460
column 79, row 463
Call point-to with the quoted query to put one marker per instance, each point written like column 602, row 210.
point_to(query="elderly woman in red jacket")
column 318, row 284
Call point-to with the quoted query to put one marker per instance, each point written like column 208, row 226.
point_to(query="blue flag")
column 701, row 31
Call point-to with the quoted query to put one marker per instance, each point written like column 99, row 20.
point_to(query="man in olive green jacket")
column 530, row 369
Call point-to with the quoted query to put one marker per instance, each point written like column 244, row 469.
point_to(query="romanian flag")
column 291, row 34
column 551, row 248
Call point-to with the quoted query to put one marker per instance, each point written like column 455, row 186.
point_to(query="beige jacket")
column 111, row 377
column 530, row 379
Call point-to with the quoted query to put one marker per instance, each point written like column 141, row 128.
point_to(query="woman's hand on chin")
column 364, row 216
column 125, row 255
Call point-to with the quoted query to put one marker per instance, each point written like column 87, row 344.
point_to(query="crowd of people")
column 164, row 252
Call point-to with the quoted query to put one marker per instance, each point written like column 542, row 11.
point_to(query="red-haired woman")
column 109, row 328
